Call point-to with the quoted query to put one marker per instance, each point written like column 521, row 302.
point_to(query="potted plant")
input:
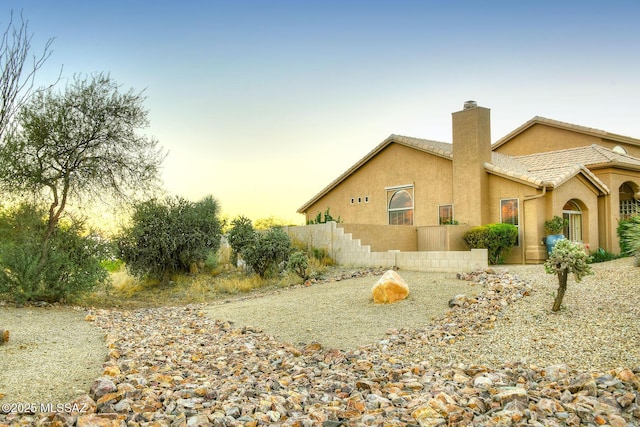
column 554, row 228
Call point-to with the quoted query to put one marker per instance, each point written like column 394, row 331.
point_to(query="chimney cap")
column 470, row 104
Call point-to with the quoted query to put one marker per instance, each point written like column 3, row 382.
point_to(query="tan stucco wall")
column 576, row 189
column 382, row 238
column 541, row 138
column 394, row 166
column 529, row 223
column 610, row 206
column 471, row 150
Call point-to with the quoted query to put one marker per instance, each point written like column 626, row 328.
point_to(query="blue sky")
column 263, row 103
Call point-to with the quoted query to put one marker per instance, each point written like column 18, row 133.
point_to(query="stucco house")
column 541, row 169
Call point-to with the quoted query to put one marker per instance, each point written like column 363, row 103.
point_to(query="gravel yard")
column 342, row 314
column 54, row 354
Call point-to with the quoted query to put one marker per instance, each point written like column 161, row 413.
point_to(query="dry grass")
column 128, row 292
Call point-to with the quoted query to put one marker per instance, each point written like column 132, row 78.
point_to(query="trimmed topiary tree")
column 567, row 257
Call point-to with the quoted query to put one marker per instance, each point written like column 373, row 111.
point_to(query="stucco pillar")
column 471, row 150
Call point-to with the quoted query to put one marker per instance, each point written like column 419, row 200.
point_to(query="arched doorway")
column 572, row 212
column 629, row 199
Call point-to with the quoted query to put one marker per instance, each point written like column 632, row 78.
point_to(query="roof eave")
column 391, row 139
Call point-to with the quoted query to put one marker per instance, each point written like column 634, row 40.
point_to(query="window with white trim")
column 509, row 214
column 573, row 214
column 400, row 205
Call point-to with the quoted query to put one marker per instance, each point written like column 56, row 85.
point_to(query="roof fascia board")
column 384, row 144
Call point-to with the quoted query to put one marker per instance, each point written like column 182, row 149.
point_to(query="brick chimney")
column 471, row 150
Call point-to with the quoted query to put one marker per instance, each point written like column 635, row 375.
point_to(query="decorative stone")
column 389, row 288
column 102, row 386
column 458, row 300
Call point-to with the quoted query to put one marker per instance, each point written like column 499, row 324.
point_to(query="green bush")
column 629, row 233
column 600, row 255
column 498, row 239
column 58, row 269
column 240, row 235
column 327, row 218
column 477, row 237
column 299, row 264
column 170, row 236
column 267, row 251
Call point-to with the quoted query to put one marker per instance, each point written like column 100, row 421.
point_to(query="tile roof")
column 553, row 168
column 549, row 169
column 442, row 149
column 593, row 155
column 564, row 125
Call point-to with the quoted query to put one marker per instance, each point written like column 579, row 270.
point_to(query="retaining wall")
column 346, row 250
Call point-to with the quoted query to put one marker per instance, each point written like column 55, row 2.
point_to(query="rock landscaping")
column 179, row 367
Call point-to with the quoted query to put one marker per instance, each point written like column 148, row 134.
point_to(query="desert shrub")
column 629, row 233
column 240, row 235
column 567, row 257
column 267, row 251
column 498, row 239
column 170, row 236
column 299, row 264
column 600, row 255
column 58, row 269
column 319, row 219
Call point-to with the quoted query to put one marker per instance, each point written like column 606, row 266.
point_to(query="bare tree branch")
column 18, row 69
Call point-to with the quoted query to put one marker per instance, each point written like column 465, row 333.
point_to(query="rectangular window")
column 400, row 205
column 509, row 214
column 445, row 214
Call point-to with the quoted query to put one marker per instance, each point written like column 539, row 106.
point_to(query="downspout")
column 526, row 199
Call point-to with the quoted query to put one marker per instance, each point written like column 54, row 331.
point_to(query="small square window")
column 359, row 199
column 366, row 199
column 352, row 200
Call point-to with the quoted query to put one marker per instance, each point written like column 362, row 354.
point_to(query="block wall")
column 346, row 250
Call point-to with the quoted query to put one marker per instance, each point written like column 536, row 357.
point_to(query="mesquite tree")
column 81, row 144
column 567, row 257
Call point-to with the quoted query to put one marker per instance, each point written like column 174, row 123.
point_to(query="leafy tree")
column 170, row 236
column 16, row 79
column 567, row 257
column 267, row 251
column 67, row 265
column 80, row 144
column 240, row 235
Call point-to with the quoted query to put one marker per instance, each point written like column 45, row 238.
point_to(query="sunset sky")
column 263, row 103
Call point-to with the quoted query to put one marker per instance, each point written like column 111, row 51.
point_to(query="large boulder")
column 389, row 288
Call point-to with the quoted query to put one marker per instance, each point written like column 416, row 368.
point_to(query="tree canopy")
column 81, row 143
column 170, row 236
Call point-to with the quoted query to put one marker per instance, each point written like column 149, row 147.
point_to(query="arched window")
column 629, row 199
column 400, row 206
column 573, row 214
